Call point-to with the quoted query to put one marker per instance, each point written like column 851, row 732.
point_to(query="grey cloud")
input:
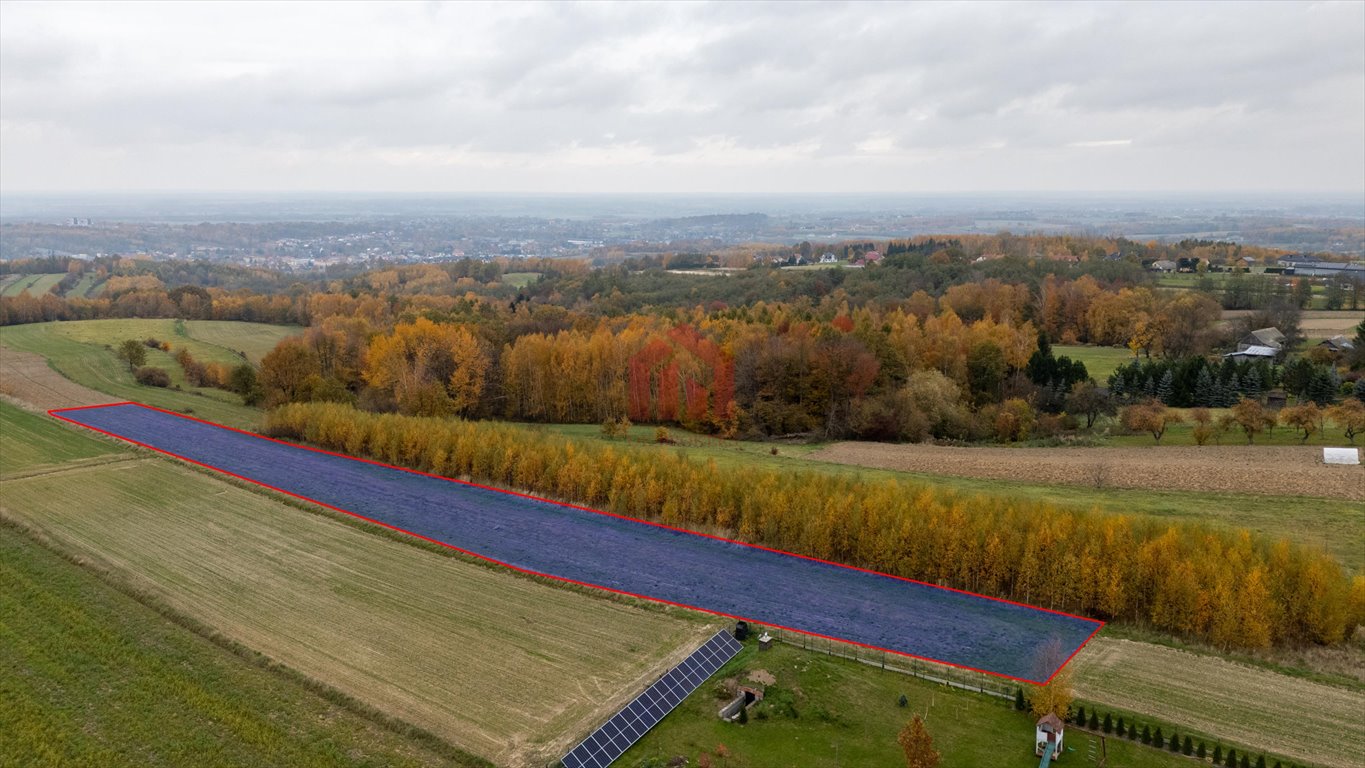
column 934, row 82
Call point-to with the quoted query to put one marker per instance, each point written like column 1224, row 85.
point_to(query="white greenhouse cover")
column 1340, row 455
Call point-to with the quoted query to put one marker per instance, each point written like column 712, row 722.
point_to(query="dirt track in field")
column 1269, row 470
column 27, row 377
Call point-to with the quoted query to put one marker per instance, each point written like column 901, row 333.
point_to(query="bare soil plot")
column 1302, row 719
column 26, row 376
column 1270, row 470
column 504, row 667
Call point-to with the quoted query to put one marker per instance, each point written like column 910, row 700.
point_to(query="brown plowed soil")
column 1270, row 470
column 26, row 377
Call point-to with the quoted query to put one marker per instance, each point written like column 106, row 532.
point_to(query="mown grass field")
column 253, row 340
column 1334, row 524
column 88, row 287
column 36, row 285
column 83, row 351
column 824, row 712
column 505, row 667
column 94, row 677
column 520, row 279
column 1100, row 362
column 1300, row 719
column 29, row 442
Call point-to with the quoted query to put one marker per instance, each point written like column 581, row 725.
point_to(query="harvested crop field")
column 623, row 555
column 1313, row 322
column 1268, row 470
column 504, row 667
column 1301, row 719
column 26, row 376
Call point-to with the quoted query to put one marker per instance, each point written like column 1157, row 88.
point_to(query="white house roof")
column 1253, row 351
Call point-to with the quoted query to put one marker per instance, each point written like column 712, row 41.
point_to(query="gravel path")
column 1270, row 470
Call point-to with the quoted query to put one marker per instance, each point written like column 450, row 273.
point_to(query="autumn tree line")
column 1232, row 589
column 769, row 369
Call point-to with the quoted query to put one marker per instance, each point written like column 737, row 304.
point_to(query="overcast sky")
column 687, row 98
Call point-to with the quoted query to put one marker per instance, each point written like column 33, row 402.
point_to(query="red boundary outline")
column 57, row 414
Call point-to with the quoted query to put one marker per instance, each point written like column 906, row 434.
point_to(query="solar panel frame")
column 603, row 746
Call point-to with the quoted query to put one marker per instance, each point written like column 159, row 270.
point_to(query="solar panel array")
column 627, row 726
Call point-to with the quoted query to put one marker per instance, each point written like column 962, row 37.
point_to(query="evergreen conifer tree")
column 1165, row 389
column 1253, row 385
column 1146, row 734
column 1204, row 388
column 1158, row 740
column 1108, row 723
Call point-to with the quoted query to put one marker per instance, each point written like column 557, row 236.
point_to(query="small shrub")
column 1094, row 720
column 1188, row 747
column 1108, row 723
column 1019, row 703
column 152, row 377
column 1202, row 752
column 1158, row 739
column 903, row 702
column 1230, row 759
column 1175, row 743
column 661, row 436
column 1146, row 734
column 1080, row 716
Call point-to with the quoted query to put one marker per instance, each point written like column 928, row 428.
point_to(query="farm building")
column 1309, row 266
column 1260, row 344
column 1263, row 337
column 1252, row 352
column 1338, row 343
column 1047, row 738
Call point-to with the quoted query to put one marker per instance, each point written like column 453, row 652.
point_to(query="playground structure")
column 1047, row 739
